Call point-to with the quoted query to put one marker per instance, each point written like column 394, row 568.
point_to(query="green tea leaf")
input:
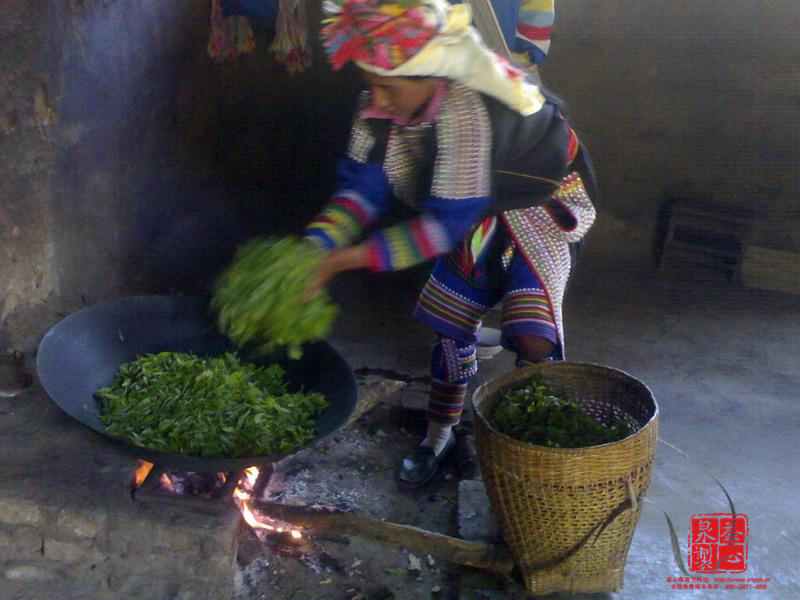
column 534, row 414
column 258, row 298
column 219, row 406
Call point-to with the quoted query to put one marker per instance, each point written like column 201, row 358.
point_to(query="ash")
column 306, row 487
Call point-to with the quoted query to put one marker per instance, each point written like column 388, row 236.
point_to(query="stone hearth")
column 70, row 528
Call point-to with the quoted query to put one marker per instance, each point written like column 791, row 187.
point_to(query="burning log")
column 421, row 541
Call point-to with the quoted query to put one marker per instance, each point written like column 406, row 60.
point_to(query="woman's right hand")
column 335, row 262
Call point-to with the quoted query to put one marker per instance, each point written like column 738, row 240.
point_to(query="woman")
column 497, row 177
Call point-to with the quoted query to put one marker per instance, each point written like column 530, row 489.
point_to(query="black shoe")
column 419, row 467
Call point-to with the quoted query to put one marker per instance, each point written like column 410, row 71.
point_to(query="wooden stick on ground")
column 371, row 393
column 443, row 547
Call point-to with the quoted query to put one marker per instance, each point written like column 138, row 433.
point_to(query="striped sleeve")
column 341, row 222
column 406, row 244
column 362, row 192
column 442, row 226
column 534, row 29
column 362, row 195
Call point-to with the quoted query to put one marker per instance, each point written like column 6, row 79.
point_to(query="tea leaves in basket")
column 536, row 415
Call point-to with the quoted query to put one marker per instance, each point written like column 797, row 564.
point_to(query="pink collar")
column 427, row 116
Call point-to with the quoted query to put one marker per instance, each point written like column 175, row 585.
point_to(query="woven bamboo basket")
column 568, row 514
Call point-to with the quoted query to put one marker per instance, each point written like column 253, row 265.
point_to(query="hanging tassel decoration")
column 290, row 46
column 230, row 37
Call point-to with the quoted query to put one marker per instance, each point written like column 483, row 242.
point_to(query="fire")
column 251, row 474
column 140, row 474
column 166, row 483
column 251, row 520
column 243, row 494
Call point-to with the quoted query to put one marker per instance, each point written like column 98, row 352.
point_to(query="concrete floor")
column 722, row 362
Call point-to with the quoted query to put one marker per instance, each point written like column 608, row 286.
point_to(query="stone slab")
column 475, row 519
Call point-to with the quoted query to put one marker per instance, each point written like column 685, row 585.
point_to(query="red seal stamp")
column 718, row 543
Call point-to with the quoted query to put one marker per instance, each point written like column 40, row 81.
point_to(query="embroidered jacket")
column 479, row 158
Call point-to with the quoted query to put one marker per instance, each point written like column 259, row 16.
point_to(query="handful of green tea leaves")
column 258, row 298
column 536, row 415
column 220, row 406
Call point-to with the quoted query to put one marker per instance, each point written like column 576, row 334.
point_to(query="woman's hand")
column 335, row 262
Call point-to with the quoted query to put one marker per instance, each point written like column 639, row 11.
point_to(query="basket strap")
column 629, row 503
column 590, row 538
column 673, row 536
column 632, row 503
column 676, row 551
column 702, row 468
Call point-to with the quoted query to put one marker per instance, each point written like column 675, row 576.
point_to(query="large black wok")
column 82, row 353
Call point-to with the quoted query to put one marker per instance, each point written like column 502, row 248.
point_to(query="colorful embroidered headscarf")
column 429, row 38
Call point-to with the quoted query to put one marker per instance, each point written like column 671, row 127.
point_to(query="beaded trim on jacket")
column 405, row 158
column 361, row 138
column 462, row 167
column 544, row 243
column 463, row 146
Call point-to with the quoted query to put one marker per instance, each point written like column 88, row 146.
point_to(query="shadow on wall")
column 167, row 161
column 186, row 232
column 137, row 105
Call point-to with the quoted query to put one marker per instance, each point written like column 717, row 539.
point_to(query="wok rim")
column 187, row 462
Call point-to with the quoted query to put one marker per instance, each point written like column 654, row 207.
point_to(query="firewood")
column 455, row 550
column 371, row 392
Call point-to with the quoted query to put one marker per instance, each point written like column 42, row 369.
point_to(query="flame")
column 243, row 493
column 166, row 483
column 251, row 520
column 244, row 490
column 251, row 473
column 140, row 474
